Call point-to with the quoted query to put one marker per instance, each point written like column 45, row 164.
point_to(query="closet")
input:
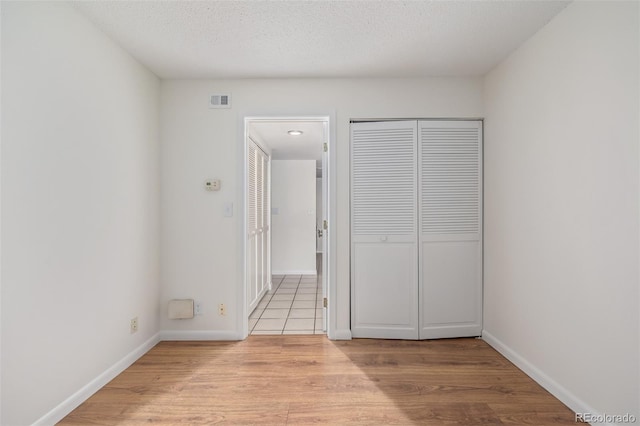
column 258, row 225
column 416, row 229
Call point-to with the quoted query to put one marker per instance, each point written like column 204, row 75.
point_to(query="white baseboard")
column 555, row 388
column 344, row 334
column 198, row 335
column 295, row 272
column 71, row 403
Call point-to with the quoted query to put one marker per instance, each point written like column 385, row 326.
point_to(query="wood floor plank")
column 308, row 379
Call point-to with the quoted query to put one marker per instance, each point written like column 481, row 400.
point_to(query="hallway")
column 293, row 306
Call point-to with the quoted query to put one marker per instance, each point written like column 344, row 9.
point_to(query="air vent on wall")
column 220, row 100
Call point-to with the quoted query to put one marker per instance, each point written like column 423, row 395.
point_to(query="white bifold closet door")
column 384, row 239
column 416, row 243
column 258, row 260
column 450, row 194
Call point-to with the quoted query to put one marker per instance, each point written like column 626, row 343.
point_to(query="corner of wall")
column 555, row 388
column 72, row 402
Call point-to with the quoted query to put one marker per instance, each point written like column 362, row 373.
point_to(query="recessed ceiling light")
column 295, row 132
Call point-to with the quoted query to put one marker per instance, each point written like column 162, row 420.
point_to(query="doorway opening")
column 286, row 248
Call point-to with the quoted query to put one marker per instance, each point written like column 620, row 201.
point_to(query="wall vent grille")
column 220, row 100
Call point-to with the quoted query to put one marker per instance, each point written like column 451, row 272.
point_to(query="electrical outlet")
column 222, row 310
column 197, row 308
column 134, row 325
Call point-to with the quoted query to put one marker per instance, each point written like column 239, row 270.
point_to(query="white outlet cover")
column 212, row 185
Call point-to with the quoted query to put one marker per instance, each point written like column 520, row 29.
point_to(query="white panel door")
column 384, row 251
column 450, row 187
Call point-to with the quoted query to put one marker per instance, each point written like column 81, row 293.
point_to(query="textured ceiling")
column 322, row 38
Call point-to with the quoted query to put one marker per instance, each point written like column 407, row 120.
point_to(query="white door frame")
column 329, row 259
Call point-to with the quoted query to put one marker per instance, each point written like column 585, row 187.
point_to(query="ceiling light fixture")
column 295, row 132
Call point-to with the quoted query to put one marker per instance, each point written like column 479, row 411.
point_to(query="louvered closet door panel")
column 384, row 230
column 251, row 197
column 260, row 223
column 252, row 272
column 450, row 188
column 450, row 179
column 263, row 221
column 383, row 178
column 258, row 272
column 266, row 224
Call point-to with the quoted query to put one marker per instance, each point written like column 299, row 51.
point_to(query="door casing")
column 329, row 259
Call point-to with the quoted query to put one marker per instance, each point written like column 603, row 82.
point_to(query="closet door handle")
column 383, row 238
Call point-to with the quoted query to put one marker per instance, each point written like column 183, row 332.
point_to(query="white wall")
column 293, row 229
column 199, row 246
column 561, row 206
column 80, row 200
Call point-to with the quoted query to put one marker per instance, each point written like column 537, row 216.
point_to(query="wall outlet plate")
column 133, row 326
column 212, row 185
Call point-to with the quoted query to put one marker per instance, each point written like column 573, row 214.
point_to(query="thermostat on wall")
column 212, row 185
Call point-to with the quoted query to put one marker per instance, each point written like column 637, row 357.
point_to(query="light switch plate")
column 228, row 210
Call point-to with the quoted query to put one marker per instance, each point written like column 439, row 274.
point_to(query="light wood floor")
column 301, row 380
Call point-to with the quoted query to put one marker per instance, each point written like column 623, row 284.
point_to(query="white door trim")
column 242, row 320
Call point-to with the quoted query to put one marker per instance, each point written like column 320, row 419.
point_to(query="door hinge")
column 325, row 146
column 324, row 302
column 325, row 224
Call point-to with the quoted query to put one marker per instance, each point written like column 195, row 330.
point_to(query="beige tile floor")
column 293, row 306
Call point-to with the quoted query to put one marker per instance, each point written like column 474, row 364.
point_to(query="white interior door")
column 384, row 249
column 450, row 186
